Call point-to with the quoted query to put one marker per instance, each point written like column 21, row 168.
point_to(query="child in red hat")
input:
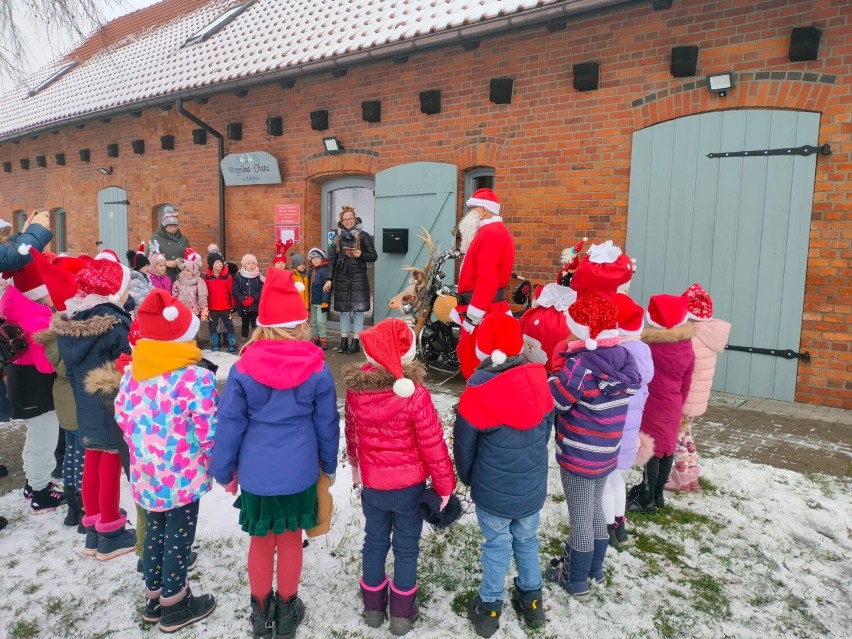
column 278, row 430
column 394, row 442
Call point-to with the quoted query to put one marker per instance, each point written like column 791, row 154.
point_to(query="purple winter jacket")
column 630, row 437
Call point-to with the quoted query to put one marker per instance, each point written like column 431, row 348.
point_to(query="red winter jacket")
column 396, row 442
column 220, row 291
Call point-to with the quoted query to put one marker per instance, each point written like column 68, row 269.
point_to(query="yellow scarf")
column 152, row 358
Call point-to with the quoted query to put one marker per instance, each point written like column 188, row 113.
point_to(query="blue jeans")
column 502, row 538
column 353, row 322
column 386, row 512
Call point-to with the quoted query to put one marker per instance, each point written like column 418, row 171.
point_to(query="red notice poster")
column 288, row 215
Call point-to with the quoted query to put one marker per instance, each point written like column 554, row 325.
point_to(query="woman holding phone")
column 350, row 252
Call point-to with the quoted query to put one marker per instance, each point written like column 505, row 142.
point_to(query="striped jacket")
column 592, row 390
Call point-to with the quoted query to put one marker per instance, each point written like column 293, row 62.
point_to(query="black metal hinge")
column 786, row 354
column 805, row 150
column 126, row 202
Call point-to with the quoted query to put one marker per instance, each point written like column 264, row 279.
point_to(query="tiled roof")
column 138, row 58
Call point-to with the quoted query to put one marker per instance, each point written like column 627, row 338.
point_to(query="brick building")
column 623, row 160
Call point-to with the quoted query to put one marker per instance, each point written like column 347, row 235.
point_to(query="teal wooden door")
column 738, row 226
column 112, row 220
column 411, row 197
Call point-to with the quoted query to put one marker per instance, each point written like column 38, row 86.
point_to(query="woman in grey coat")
column 172, row 242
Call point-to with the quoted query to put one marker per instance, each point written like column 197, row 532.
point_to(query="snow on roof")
column 140, row 57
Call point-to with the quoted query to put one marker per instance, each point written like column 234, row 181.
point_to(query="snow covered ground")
column 760, row 552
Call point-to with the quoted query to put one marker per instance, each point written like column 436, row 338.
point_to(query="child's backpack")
column 13, row 343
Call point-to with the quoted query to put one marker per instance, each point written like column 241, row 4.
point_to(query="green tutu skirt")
column 259, row 515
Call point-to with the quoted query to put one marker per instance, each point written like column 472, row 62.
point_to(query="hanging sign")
column 255, row 167
column 285, row 233
column 288, row 214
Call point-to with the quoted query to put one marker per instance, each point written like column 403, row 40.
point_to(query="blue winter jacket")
column 10, row 259
column 278, row 420
column 500, row 437
column 91, row 339
column 318, row 277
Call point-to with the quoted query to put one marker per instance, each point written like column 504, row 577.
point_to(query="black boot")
column 485, row 617
column 186, row 611
column 530, row 604
column 641, row 498
column 613, row 537
column 288, row 616
column 46, row 499
column 662, row 478
column 355, row 345
column 263, row 616
column 72, row 518
column 621, row 530
column 344, row 345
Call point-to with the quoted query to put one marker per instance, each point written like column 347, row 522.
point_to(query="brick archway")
column 482, row 150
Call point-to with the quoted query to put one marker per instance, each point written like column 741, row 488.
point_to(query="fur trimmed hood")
column 104, row 379
column 359, row 379
column 90, row 327
column 653, row 335
column 45, row 337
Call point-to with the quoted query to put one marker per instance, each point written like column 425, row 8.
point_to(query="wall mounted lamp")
column 720, row 83
column 332, row 145
column 105, row 170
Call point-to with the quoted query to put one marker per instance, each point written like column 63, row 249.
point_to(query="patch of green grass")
column 31, row 588
column 462, row 600
column 667, row 622
column 558, row 498
column 13, row 562
column 672, row 518
column 23, row 629
column 706, row 485
column 652, row 544
column 822, row 481
column 709, row 596
column 704, row 549
column 761, row 599
column 52, row 605
column 449, row 559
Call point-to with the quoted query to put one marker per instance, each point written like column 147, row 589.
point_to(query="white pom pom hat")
column 164, row 318
column 499, row 337
column 390, row 345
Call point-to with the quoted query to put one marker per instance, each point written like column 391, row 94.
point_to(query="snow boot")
column 28, row 491
column 114, row 539
column 621, row 530
column 153, row 610
column 485, row 617
column 571, row 572
column 47, row 499
column 596, row 573
column 178, row 614
column 375, row 603
column 355, row 345
column 72, row 498
column 232, row 343
column 530, row 604
column 288, row 615
column 664, row 471
column 214, row 339
column 403, row 610
column 91, row 548
column 263, row 616
column 344, row 345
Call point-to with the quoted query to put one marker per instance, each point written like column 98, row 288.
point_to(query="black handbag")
column 13, row 343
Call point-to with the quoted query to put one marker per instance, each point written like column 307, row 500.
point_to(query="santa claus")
column 488, row 261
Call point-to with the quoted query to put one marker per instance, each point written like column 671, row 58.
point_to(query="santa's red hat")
column 570, row 259
column 699, row 303
column 58, row 276
column 390, row 345
column 281, row 249
column 604, row 268
column 164, row 318
column 281, row 303
column 27, row 280
column 667, row 311
column 105, row 277
column 592, row 318
column 499, row 337
column 487, row 199
column 631, row 316
column 108, row 254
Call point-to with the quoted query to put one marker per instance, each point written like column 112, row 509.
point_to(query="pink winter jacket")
column 32, row 317
column 709, row 340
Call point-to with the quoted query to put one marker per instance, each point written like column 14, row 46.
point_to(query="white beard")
column 468, row 226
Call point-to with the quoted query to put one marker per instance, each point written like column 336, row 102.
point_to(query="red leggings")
column 101, row 482
column 261, row 562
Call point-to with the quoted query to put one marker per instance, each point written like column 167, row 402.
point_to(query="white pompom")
column 536, row 323
column 170, row 313
column 498, row 357
column 113, row 299
column 585, row 239
column 24, row 249
column 591, row 344
column 299, row 286
column 403, row 387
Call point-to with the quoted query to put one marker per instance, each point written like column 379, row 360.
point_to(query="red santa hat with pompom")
column 631, row 316
column 27, row 280
column 487, row 199
column 592, row 318
column 281, row 304
column 58, row 276
column 667, row 311
column 108, row 254
column 499, row 337
column 164, row 318
column 390, row 345
column 699, row 303
column 570, row 260
column 105, row 277
column 603, row 270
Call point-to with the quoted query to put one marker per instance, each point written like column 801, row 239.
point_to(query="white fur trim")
column 580, row 331
column 371, row 360
column 696, row 318
column 299, row 286
column 114, row 299
column 191, row 331
column 474, row 312
column 625, row 333
column 24, row 249
column 125, row 279
column 171, row 313
column 498, row 357
column 591, row 344
column 103, row 255
column 655, row 325
column 411, row 353
column 37, row 293
column 488, row 205
column 479, row 354
column 282, row 324
column 403, row 387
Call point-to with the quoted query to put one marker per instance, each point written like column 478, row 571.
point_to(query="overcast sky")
column 44, row 46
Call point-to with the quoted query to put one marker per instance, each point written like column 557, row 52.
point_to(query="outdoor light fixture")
column 105, row 170
column 332, row 145
column 720, row 83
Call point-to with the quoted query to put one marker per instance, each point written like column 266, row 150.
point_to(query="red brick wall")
column 562, row 158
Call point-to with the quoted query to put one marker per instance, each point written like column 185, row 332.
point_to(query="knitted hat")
column 498, row 336
column 213, row 257
column 248, row 257
column 570, row 260
column 487, row 199
column 667, row 311
column 103, row 277
column 316, row 252
column 164, row 318
column 4, row 224
column 603, row 270
column 28, row 279
column 592, row 318
column 631, row 316
column 108, row 254
column 192, row 260
column 296, row 259
column 154, row 254
column 58, row 276
column 699, row 303
column 170, row 216
column 137, row 259
column 281, row 302
column 281, row 249
column 390, row 344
